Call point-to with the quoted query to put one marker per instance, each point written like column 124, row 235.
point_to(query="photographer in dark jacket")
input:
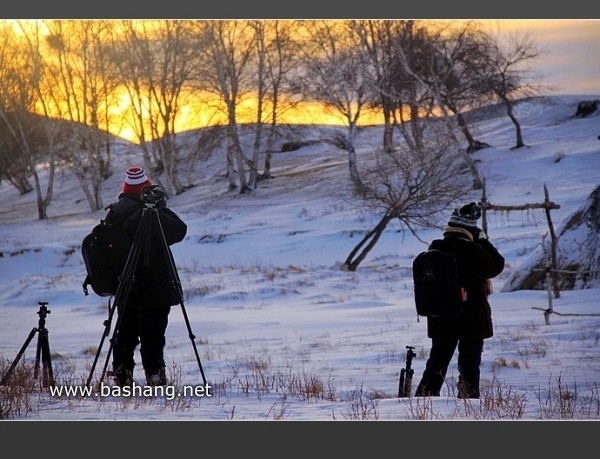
column 480, row 262
column 143, row 318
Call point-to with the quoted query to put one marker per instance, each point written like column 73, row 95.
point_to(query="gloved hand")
column 481, row 234
column 161, row 203
column 155, row 195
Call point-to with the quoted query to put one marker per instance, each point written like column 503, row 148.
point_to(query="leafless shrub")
column 500, row 401
column 281, row 413
column 497, row 401
column 259, row 381
column 362, row 406
column 421, row 409
column 17, row 396
column 501, row 362
column 536, row 348
column 561, row 400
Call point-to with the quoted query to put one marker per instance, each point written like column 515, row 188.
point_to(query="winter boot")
column 467, row 389
column 156, row 377
column 123, row 376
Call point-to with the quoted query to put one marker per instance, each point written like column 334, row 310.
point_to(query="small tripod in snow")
column 42, row 350
column 406, row 374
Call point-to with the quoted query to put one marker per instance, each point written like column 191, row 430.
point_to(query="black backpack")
column 105, row 251
column 439, row 290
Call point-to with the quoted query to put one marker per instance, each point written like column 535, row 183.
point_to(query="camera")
column 154, row 195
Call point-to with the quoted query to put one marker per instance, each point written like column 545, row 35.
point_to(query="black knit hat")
column 466, row 216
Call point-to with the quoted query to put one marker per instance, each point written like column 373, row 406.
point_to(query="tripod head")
column 154, row 196
column 43, row 311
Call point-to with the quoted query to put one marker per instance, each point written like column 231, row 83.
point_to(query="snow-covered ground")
column 274, row 314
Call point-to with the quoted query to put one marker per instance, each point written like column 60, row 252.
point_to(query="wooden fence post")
column 547, row 205
column 553, row 245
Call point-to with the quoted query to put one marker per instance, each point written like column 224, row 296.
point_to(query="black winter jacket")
column 153, row 284
column 480, row 261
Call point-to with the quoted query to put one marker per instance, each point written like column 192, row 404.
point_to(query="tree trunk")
column 465, row 130
column 352, row 163
column 370, row 240
column 266, row 173
column 354, row 175
column 388, row 130
column 513, row 118
column 230, row 169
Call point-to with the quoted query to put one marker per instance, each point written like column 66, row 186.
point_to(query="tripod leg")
column 111, row 340
column 48, row 373
column 192, row 339
column 108, row 354
column 408, row 389
column 401, row 392
column 18, row 357
column 125, row 284
column 104, row 335
column 38, row 353
column 177, row 284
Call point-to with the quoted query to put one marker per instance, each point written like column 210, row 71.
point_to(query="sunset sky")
column 569, row 63
column 571, row 60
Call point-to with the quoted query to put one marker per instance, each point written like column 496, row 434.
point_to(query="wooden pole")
column 547, row 205
column 553, row 246
column 484, row 207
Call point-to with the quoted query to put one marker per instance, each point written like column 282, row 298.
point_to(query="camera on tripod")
column 154, row 196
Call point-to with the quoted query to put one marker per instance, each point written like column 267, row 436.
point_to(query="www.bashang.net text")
column 135, row 390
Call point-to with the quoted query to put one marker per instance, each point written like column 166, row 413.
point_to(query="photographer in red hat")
column 144, row 315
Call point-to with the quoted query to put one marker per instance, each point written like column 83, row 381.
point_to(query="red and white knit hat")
column 135, row 180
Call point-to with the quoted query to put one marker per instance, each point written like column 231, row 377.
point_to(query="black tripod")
column 42, row 350
column 151, row 196
column 406, row 374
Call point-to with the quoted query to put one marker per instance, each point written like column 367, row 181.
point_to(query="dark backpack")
column 438, row 287
column 105, row 251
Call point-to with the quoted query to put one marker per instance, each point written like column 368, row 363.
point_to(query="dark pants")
column 141, row 326
column 469, row 360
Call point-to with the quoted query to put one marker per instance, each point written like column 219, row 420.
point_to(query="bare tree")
column 410, row 185
column 460, row 52
column 14, row 166
column 15, row 99
column 422, row 68
column 413, row 102
column 155, row 59
column 337, row 72
column 226, row 51
column 377, row 39
column 24, row 91
column 280, row 51
column 507, row 74
column 81, row 93
column 260, row 58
